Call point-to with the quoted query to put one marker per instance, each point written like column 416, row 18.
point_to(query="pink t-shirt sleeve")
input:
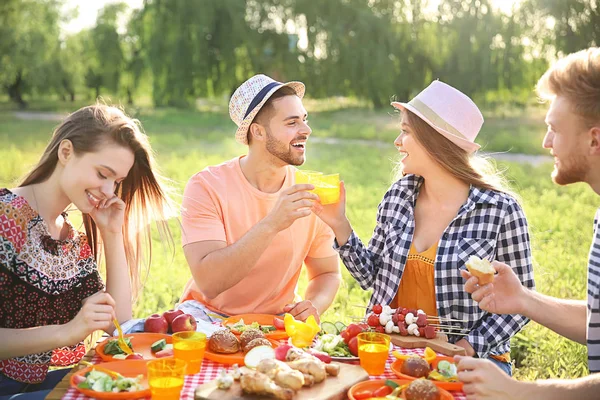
column 322, row 244
column 201, row 218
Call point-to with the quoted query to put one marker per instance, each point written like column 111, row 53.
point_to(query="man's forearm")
column 565, row 317
column 224, row 268
column 580, row 389
column 321, row 290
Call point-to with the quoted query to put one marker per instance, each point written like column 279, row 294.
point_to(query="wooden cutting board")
column 439, row 344
column 332, row 388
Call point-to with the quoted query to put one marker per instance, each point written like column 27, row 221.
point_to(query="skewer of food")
column 405, row 322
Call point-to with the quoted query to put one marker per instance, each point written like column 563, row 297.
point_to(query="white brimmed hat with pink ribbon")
column 250, row 97
column 449, row 111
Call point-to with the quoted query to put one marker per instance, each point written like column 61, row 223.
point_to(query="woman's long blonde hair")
column 471, row 169
column 145, row 197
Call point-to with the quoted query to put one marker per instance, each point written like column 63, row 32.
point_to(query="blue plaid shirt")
column 490, row 225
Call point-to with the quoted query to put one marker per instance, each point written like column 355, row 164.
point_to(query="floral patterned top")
column 42, row 282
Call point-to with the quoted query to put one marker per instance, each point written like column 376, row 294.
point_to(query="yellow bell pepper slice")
column 301, row 333
column 436, row 376
column 401, row 356
column 430, row 355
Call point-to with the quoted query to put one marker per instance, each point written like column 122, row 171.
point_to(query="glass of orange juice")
column 165, row 377
column 327, row 187
column 373, row 350
column 305, row 176
column 190, row 347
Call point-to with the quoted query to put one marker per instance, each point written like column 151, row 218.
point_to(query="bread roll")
column 416, row 367
column 422, row 389
column 223, row 341
column 256, row 342
column 250, row 334
column 482, row 269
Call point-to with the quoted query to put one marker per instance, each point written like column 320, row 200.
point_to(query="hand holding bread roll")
column 482, row 269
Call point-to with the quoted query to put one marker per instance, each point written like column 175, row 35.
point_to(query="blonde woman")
column 51, row 294
column 442, row 210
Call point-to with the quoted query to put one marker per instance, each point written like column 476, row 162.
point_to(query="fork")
column 121, row 341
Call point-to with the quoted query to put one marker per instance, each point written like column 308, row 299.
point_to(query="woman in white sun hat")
column 444, row 208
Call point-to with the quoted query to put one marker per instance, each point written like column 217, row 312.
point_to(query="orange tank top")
column 417, row 286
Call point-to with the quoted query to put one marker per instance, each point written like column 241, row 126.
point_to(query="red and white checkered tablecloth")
column 210, row 370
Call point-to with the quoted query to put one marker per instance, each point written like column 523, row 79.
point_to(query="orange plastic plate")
column 376, row 384
column 127, row 368
column 397, row 366
column 262, row 319
column 232, row 358
column 141, row 343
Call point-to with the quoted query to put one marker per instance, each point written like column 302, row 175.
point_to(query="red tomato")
column 383, row 391
column 278, row 323
column 353, row 330
column 363, row 394
column 373, row 320
column 377, row 309
column 353, row 346
column 364, row 326
column 345, row 335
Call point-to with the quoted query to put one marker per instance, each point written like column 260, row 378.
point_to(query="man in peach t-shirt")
column 247, row 228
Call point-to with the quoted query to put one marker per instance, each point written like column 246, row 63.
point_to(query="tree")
column 576, row 22
column 109, row 58
column 29, row 33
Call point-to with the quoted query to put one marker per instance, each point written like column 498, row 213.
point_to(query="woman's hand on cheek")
column 109, row 215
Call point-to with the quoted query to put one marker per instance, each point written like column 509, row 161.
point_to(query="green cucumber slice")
column 158, row 345
column 330, row 328
column 391, row 384
column 340, row 326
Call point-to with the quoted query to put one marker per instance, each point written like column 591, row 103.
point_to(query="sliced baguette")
column 482, row 269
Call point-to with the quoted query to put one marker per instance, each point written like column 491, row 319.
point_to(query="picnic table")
column 208, row 373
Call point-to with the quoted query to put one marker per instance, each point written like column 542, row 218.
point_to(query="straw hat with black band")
column 250, row 97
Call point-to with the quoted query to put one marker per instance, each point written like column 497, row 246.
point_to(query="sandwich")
column 482, row 269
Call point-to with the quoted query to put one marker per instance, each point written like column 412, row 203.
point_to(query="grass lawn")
column 186, row 141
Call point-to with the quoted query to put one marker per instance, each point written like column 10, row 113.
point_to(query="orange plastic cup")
column 190, row 347
column 373, row 350
column 327, row 187
column 305, row 176
column 165, row 377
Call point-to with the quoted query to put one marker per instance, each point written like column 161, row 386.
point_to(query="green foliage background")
column 174, row 51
